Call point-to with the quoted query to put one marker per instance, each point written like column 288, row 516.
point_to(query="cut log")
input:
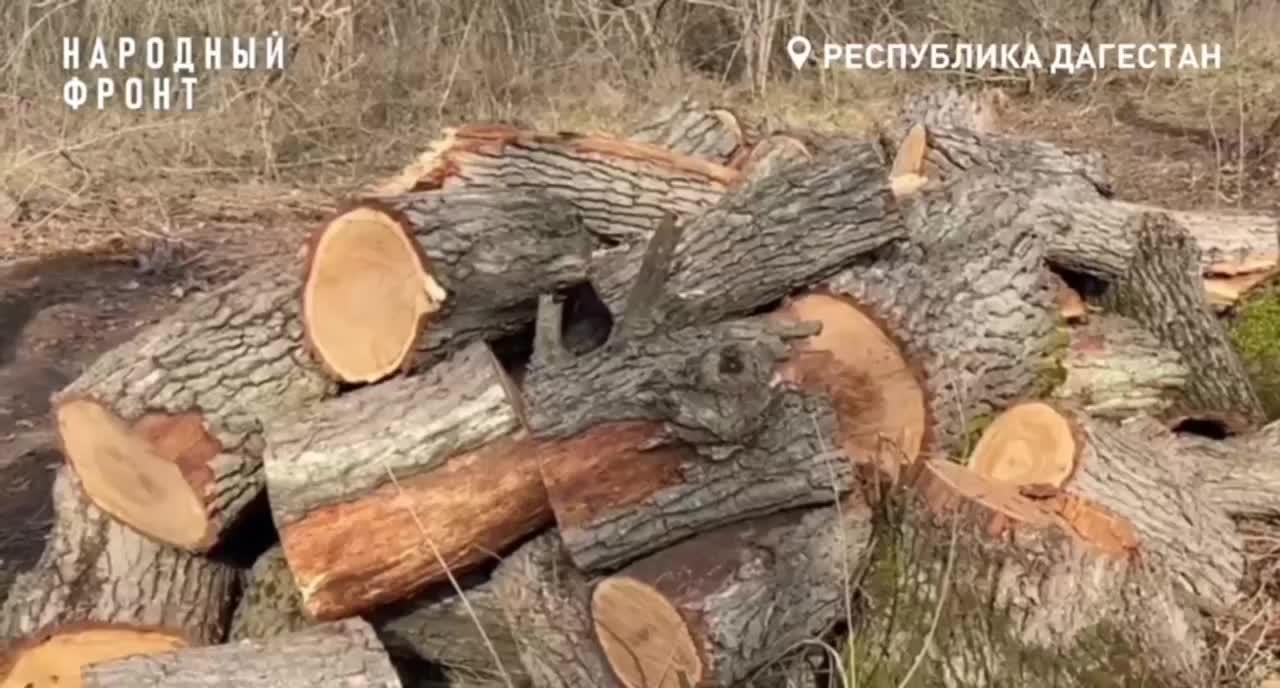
column 1030, row 444
column 952, row 152
column 343, row 654
column 689, row 128
column 459, row 633
column 1142, row 495
column 1161, row 291
column 1116, row 369
column 95, row 570
column 165, row 430
column 731, row 258
column 1231, row 243
column 621, row 188
column 1240, row 475
column 969, row 305
column 618, row 494
column 270, row 604
column 401, row 282
column 975, row 584
column 1237, row 251
column 56, row 657
column 712, row 610
column 547, row 605
column 878, row 395
column 381, row 492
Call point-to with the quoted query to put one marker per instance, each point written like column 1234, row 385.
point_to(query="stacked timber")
column 567, row 410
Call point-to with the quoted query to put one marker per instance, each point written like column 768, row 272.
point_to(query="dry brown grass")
column 369, row 83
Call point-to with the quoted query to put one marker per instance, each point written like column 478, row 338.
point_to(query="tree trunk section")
column 1035, row 164
column 783, row 232
column 618, row 494
column 712, row 610
column 969, row 304
column 56, row 657
column 620, row 188
column 343, row 654
column 1236, row 250
column 976, row 585
column 401, row 282
column 270, row 604
column 1128, row 491
column 547, row 603
column 689, row 128
column 436, row 466
column 164, row 431
column 95, row 569
column 456, row 632
column 1161, row 290
column 1116, row 369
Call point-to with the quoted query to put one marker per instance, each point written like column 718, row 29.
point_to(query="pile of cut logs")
column 654, row 411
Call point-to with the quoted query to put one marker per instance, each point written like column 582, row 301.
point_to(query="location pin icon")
column 799, row 48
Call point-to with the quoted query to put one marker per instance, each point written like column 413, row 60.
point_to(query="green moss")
column 901, row 593
column 1053, row 369
column 1255, row 331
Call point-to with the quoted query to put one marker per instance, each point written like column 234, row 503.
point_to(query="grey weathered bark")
column 1115, row 368
column 969, row 300
column 1177, row 526
column 782, row 232
column 727, row 602
column 343, row 654
column 1096, row 236
column 690, row 128
column 97, row 570
column 435, row 465
column 456, row 634
column 618, row 495
column 973, row 584
column 1039, row 164
column 165, row 430
column 270, row 604
column 547, row 603
column 1161, row 290
column 621, row 188
column 481, row 255
column 1239, row 475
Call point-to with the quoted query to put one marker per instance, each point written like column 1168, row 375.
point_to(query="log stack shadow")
column 843, row 390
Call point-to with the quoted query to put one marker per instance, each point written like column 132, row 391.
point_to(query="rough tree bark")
column 101, row 591
column 95, row 569
column 547, row 603
column 621, row 188
column 343, row 654
column 954, row 152
column 689, row 128
column 403, row 281
column 1116, row 369
column 1161, row 290
column 270, row 603
column 714, row 609
column 460, row 633
column 969, row 303
column 1096, row 236
column 1137, row 493
column 376, row 492
column 783, row 232
column 165, row 430
column 973, row 584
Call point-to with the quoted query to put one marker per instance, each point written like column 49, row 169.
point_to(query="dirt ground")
column 58, row 311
